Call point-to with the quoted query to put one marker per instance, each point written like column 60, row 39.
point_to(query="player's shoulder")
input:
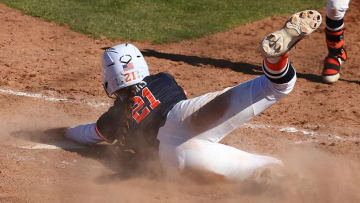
column 164, row 75
column 160, row 77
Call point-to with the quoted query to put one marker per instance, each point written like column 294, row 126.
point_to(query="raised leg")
column 190, row 136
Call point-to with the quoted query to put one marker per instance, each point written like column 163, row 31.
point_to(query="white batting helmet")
column 122, row 65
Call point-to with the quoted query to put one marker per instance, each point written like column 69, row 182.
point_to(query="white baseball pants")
column 336, row 9
column 190, row 137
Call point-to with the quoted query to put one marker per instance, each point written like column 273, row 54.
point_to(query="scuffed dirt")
column 315, row 130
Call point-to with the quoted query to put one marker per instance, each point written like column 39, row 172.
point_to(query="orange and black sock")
column 279, row 69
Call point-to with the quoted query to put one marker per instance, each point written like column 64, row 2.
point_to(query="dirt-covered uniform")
column 189, row 131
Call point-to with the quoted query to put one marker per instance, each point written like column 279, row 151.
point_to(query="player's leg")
column 214, row 115
column 208, row 157
column 191, row 142
column 335, row 12
column 193, row 127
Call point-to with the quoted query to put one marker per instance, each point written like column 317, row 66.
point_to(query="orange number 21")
column 139, row 103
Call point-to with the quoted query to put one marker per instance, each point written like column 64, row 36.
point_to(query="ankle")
column 334, row 25
column 278, row 70
column 334, row 39
column 276, row 64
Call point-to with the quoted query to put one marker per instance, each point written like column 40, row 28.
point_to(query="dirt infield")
column 50, row 78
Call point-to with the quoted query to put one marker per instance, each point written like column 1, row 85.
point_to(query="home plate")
column 57, row 145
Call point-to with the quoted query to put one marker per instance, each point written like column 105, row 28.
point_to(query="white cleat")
column 330, row 79
column 296, row 27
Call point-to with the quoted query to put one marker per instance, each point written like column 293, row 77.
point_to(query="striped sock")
column 279, row 69
column 334, row 25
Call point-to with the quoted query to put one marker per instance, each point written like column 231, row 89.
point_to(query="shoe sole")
column 330, row 79
column 296, row 27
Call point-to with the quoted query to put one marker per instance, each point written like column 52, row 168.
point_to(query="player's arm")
column 84, row 134
column 109, row 124
column 105, row 129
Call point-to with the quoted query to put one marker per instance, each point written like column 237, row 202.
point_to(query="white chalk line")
column 53, row 99
column 58, row 145
column 311, row 134
column 20, row 158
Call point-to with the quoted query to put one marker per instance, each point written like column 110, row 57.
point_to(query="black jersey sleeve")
column 109, row 123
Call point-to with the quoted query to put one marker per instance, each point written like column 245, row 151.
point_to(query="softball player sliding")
column 152, row 113
column 335, row 12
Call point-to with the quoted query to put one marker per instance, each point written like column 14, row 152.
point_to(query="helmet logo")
column 127, row 66
column 125, row 59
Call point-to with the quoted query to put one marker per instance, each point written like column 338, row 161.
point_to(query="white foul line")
column 52, row 99
column 40, row 96
column 58, row 145
column 311, row 134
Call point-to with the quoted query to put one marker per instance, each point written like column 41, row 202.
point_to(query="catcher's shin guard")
column 337, row 55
